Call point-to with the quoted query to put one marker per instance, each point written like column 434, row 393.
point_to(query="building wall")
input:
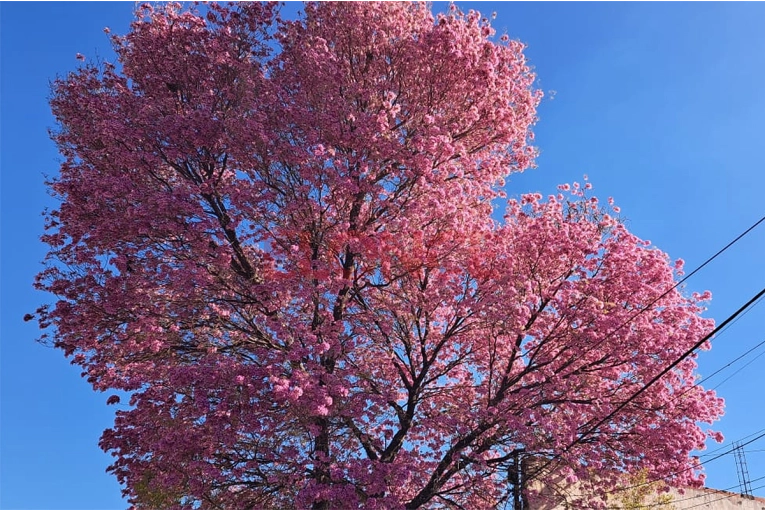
column 697, row 499
column 711, row 499
column 556, row 494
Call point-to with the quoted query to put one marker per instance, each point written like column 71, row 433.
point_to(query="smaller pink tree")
column 278, row 236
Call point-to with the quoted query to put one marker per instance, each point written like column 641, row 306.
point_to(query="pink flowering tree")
column 278, row 237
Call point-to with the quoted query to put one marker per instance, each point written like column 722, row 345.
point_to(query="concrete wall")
column 711, row 499
column 556, row 494
column 697, row 499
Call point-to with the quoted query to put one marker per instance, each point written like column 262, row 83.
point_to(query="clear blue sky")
column 662, row 105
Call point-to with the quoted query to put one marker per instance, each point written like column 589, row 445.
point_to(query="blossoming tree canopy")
column 278, row 236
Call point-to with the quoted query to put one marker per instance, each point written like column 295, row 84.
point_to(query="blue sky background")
column 661, row 104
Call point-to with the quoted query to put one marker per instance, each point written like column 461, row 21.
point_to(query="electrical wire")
column 690, row 498
column 665, row 293
column 712, row 452
column 760, row 434
column 651, row 382
column 727, row 496
column 737, row 371
column 721, row 328
column 683, row 280
column 707, row 378
column 733, row 448
column 716, row 372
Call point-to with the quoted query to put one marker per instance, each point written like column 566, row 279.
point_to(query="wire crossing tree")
column 278, row 236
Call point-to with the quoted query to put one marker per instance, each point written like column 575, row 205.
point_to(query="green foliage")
column 643, row 494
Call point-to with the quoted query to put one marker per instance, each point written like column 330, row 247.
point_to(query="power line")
column 690, row 498
column 760, row 434
column 727, row 496
column 740, row 316
column 710, row 259
column 730, row 319
column 665, row 293
column 671, row 366
column 650, row 383
column 737, row 371
column 707, row 378
column 719, row 328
